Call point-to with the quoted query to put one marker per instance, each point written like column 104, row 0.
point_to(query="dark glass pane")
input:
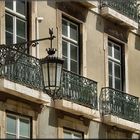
column 9, row 38
column 117, row 71
column 9, row 23
column 64, row 28
column 117, row 84
column 73, row 52
column 110, row 81
column 11, row 124
column 65, row 62
column 110, row 67
column 19, row 39
column 77, row 136
column 9, row 4
column 21, row 28
column 109, row 51
column 20, row 7
column 67, row 135
column 73, row 32
column 25, row 127
column 74, row 66
column 117, row 52
column 9, row 136
column 64, row 48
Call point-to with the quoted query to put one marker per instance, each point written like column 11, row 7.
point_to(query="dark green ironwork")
column 119, row 104
column 19, row 67
column 128, row 8
column 78, row 89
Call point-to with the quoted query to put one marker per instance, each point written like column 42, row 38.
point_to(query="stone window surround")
column 20, row 108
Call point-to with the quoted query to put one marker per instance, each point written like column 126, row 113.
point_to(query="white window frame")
column 73, row 132
column 13, row 13
column 18, row 125
column 114, row 62
column 70, row 41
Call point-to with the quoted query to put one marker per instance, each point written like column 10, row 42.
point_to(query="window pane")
column 21, row 28
column 9, row 136
column 110, row 81
column 67, row 135
column 9, row 38
column 73, row 66
column 117, row 52
column 23, row 137
column 73, row 52
column 109, row 51
column 117, row 71
column 19, row 39
column 9, row 4
column 65, row 62
column 73, row 32
column 11, row 124
column 64, row 48
column 77, row 136
column 24, row 127
column 20, row 7
column 9, row 23
column 64, row 28
column 117, row 84
column 110, row 67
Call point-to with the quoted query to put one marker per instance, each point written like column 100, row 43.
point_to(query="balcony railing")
column 128, row 8
column 118, row 103
column 78, row 89
column 19, row 67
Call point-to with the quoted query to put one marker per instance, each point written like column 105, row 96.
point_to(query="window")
column 15, row 21
column 115, row 65
column 70, row 45
column 17, row 127
column 69, row 134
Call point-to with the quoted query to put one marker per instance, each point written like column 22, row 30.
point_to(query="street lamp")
column 51, row 69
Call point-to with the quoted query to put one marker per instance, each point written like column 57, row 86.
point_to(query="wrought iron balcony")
column 128, row 8
column 118, row 103
column 20, row 67
column 78, row 89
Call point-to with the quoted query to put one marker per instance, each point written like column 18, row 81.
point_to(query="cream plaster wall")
column 134, row 64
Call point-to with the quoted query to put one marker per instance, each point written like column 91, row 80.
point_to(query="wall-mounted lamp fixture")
column 52, row 69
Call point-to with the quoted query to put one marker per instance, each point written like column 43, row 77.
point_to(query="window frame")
column 114, row 62
column 72, row 42
column 72, row 132
column 17, row 16
column 17, row 119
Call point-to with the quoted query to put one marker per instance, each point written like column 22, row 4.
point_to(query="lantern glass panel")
column 52, row 69
column 59, row 69
column 45, row 74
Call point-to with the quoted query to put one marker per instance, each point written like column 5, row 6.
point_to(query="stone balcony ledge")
column 121, row 123
column 23, row 92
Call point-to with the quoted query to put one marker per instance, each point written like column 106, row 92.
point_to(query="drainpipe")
column 37, row 21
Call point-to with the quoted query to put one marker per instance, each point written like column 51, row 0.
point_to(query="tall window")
column 70, row 45
column 69, row 134
column 17, row 127
column 115, row 65
column 15, row 21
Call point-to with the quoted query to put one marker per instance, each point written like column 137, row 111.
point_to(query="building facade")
column 99, row 95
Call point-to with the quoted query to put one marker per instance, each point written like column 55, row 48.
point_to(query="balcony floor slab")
column 23, row 92
column 77, row 109
column 121, row 123
column 118, row 18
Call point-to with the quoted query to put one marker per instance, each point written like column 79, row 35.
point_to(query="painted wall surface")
column 47, row 123
column 47, row 10
column 133, row 64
